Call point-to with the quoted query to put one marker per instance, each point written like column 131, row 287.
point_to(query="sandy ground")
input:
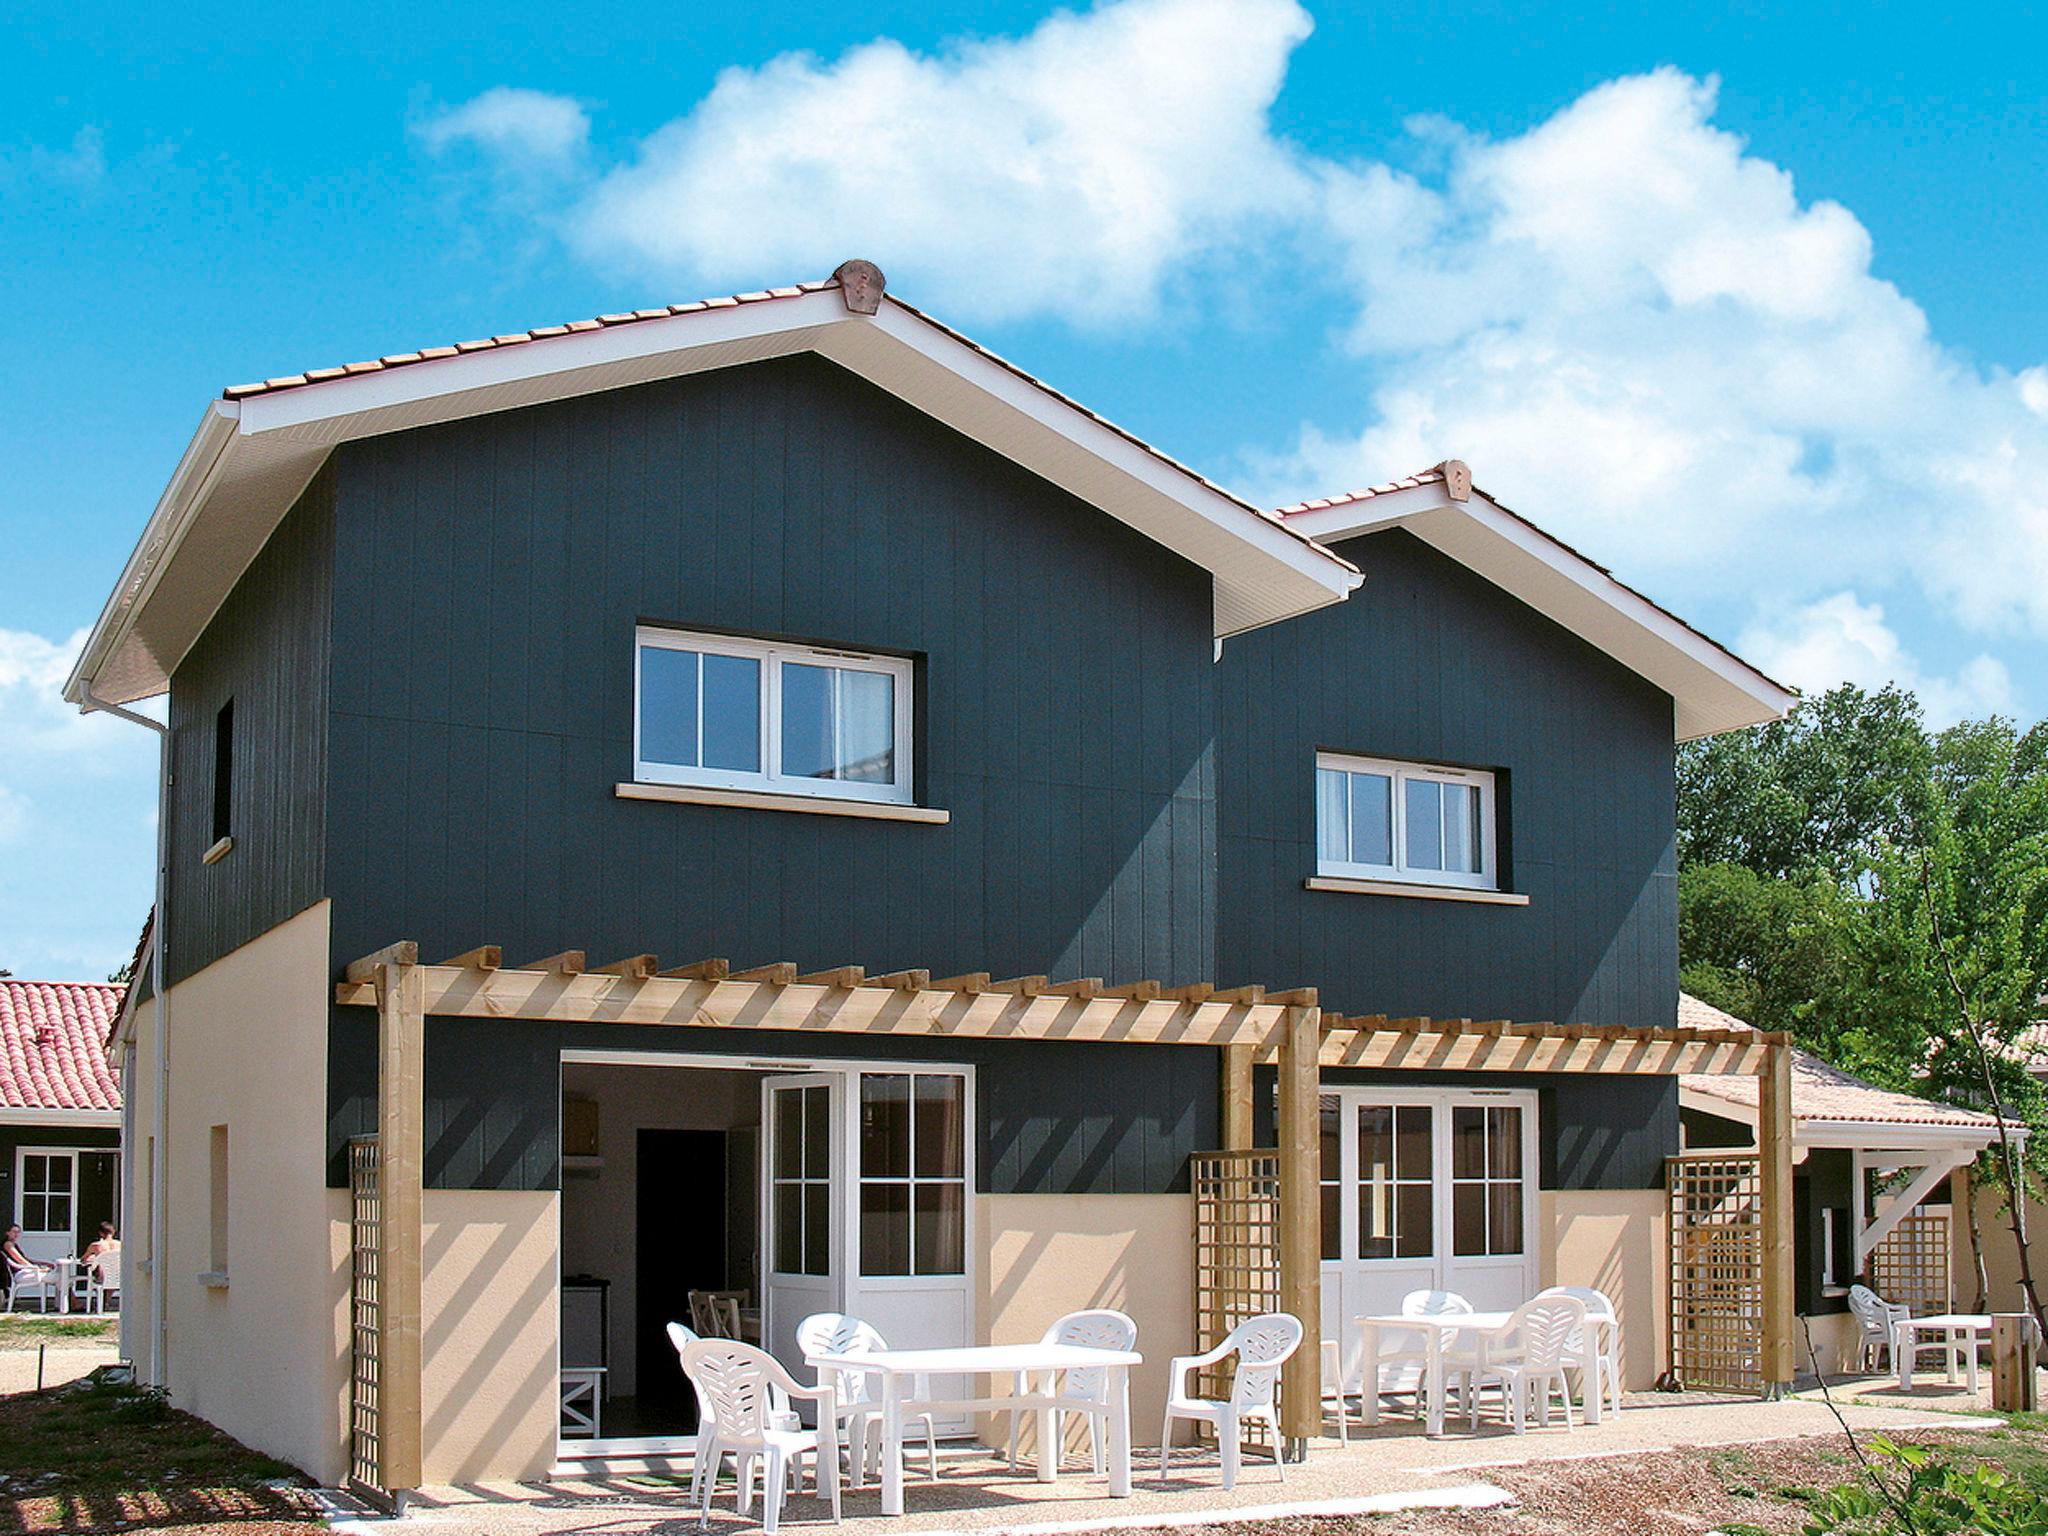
column 64, row 1360
column 976, row 1493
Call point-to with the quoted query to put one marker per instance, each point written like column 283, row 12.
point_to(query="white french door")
column 803, row 1206
column 866, row 1205
column 1426, row 1189
column 46, row 1201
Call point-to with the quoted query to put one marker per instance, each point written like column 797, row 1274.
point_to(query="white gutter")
column 159, row 1275
column 166, row 529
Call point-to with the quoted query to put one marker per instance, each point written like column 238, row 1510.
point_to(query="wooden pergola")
column 1250, row 1025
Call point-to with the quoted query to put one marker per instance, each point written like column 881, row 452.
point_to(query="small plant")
column 1938, row 1499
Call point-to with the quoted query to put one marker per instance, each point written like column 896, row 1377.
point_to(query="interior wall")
column 1046, row 1255
column 263, row 1352
column 599, row 1208
column 1618, row 1242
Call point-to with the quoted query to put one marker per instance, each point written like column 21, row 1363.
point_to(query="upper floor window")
column 1383, row 820
column 747, row 714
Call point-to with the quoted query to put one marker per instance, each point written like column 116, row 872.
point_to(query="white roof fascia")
column 1263, row 572
column 1853, row 1135
column 1540, row 571
column 16, row 1115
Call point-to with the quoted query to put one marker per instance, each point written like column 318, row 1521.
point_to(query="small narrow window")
column 224, row 770
column 1383, row 820
column 733, row 713
column 218, row 1161
column 1486, row 1179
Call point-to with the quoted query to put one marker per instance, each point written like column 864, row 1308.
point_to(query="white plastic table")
column 1440, row 1330
column 1972, row 1326
column 896, row 1367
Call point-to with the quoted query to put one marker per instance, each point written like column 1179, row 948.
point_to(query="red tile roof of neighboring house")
column 53, row 1037
column 1821, row 1091
column 1436, row 476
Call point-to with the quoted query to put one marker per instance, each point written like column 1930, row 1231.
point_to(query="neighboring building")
column 60, row 1113
column 1875, row 1174
column 798, row 628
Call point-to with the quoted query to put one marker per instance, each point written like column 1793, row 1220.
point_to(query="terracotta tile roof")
column 511, row 339
column 53, row 1037
column 1821, row 1092
column 766, row 295
column 1435, row 476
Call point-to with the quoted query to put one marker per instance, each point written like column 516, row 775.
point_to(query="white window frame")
column 773, row 657
column 1402, row 773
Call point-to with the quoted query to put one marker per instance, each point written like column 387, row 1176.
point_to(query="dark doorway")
column 679, row 1212
column 99, row 1176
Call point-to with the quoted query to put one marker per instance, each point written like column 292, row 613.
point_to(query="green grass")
column 17, row 1329
column 99, row 1453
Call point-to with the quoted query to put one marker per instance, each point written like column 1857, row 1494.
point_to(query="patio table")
column 1440, row 1329
column 1973, row 1326
column 896, row 1367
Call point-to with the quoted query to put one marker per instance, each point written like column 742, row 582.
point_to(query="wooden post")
column 1237, row 1097
column 401, row 1140
column 2015, row 1380
column 1301, row 1241
column 1774, row 1150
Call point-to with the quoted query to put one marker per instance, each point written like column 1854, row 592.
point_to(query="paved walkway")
column 64, row 1360
column 1393, row 1466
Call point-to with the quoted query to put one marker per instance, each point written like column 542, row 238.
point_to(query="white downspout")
column 159, row 1277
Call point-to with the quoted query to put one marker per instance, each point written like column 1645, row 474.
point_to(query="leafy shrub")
column 1938, row 1498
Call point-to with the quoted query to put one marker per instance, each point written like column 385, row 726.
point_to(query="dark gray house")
column 798, row 628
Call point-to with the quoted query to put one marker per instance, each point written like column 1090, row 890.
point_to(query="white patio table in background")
column 899, row 1368
column 1972, row 1327
column 1441, row 1329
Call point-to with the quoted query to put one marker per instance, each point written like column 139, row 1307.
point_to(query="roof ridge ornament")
column 1457, row 479
column 861, row 284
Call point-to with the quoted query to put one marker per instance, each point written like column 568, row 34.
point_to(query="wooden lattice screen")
column 365, row 1462
column 1911, row 1265
column 1237, row 1246
column 1717, row 1271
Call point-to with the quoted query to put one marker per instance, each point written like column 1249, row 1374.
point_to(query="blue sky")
column 1747, row 308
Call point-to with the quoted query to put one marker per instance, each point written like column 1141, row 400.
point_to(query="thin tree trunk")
column 2008, row 1156
column 1983, row 1302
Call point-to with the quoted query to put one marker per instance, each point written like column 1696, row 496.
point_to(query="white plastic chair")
column 1408, row 1353
column 739, row 1384
column 860, row 1405
column 31, row 1280
column 785, row 1416
column 1874, row 1319
column 1098, row 1328
column 1533, row 1350
column 1602, row 1343
column 103, row 1279
column 1261, row 1345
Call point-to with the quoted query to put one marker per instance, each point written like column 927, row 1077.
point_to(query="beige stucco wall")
column 1046, row 1255
column 2001, row 1253
column 265, row 1357
column 1618, row 1242
column 489, row 1398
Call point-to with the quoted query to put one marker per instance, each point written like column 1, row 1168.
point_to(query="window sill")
column 758, row 800
column 1406, row 888
column 214, row 1279
column 218, row 851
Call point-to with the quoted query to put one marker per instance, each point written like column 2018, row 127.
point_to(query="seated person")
column 104, row 1248
column 20, row 1267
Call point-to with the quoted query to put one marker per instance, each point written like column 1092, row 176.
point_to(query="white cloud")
column 543, row 133
column 1840, row 639
column 1639, row 334
column 1079, row 169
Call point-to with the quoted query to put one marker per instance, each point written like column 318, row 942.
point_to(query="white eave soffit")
column 1712, row 690
column 251, row 458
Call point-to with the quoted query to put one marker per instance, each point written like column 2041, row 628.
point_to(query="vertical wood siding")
column 1429, row 662
column 489, row 577
column 267, row 650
